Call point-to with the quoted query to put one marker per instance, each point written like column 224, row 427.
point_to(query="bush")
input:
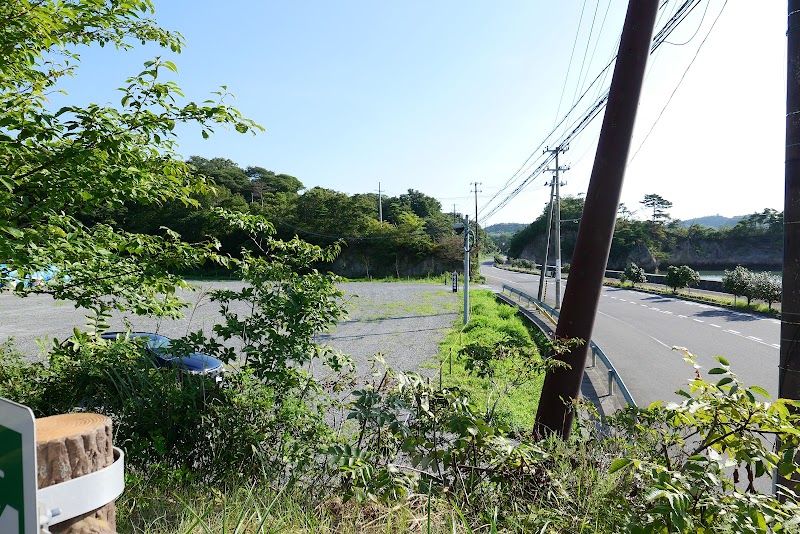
column 680, row 277
column 522, row 264
column 666, row 468
column 738, row 282
column 499, row 260
column 634, row 274
column 178, row 428
column 767, row 287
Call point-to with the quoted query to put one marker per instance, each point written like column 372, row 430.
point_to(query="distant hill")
column 713, row 221
column 504, row 228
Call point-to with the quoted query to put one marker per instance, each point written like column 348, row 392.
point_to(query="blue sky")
column 436, row 95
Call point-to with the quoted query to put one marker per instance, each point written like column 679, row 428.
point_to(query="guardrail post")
column 594, row 356
column 610, row 382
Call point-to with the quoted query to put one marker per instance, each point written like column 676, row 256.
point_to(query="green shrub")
column 680, row 277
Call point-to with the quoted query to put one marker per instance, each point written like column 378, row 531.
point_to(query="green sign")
column 17, row 469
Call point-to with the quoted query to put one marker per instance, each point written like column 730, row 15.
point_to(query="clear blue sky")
column 435, row 95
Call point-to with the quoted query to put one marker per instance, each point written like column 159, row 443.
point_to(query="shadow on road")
column 731, row 316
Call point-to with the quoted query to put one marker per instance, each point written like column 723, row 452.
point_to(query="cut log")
column 69, row 446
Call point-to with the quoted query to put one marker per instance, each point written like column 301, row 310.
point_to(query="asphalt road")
column 638, row 330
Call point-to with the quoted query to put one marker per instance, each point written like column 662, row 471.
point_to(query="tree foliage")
column 767, row 287
column 680, row 277
column 738, row 282
column 659, row 205
column 59, row 166
column 634, row 274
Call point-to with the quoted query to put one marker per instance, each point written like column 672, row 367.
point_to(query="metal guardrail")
column 552, row 315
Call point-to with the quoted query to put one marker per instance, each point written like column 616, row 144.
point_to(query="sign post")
column 455, row 281
column 18, row 514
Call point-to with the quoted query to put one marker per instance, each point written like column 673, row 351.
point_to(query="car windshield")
column 158, row 344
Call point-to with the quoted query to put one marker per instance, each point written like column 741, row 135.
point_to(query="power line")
column 685, row 72
column 569, row 65
column 680, row 14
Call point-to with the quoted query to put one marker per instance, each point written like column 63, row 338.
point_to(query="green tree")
column 680, row 277
column 767, row 287
column 738, row 282
column 659, row 205
column 59, row 166
column 634, row 274
column 223, row 172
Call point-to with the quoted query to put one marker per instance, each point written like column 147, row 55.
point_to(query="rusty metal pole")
column 789, row 366
column 555, row 414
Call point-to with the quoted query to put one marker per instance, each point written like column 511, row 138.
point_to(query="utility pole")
column 547, row 241
column 558, row 185
column 561, row 386
column 454, row 213
column 467, row 249
column 380, row 203
column 477, row 230
column 789, row 366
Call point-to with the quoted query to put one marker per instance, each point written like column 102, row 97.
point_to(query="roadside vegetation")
column 738, row 282
column 257, row 452
column 495, row 360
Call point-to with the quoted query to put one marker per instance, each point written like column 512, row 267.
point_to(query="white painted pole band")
column 83, row 494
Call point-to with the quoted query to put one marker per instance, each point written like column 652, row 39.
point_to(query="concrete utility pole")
column 558, row 185
column 467, row 248
column 555, row 413
column 789, row 366
column 547, row 241
column 477, row 231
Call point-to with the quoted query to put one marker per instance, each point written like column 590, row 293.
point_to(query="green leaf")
column 724, row 381
column 761, row 391
column 619, row 463
column 717, row 371
column 722, row 360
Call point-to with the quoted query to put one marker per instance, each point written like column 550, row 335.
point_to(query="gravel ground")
column 403, row 321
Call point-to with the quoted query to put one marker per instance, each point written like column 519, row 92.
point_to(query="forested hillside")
column 755, row 241
column 414, row 237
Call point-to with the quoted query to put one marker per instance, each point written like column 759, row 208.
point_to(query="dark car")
column 158, row 347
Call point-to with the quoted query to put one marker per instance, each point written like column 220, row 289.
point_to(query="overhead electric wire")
column 685, row 72
column 569, row 65
column 586, row 50
column 680, row 14
column 696, row 31
column 597, row 41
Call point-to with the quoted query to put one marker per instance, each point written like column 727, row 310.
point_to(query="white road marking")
column 623, row 300
column 733, row 332
column 715, row 325
column 667, row 312
column 698, row 320
column 754, row 338
column 776, row 345
column 634, row 328
column 644, row 305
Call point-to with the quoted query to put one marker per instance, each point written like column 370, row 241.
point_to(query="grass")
column 260, row 509
column 490, row 318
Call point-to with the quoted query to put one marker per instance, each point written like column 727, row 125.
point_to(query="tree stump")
column 69, row 446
